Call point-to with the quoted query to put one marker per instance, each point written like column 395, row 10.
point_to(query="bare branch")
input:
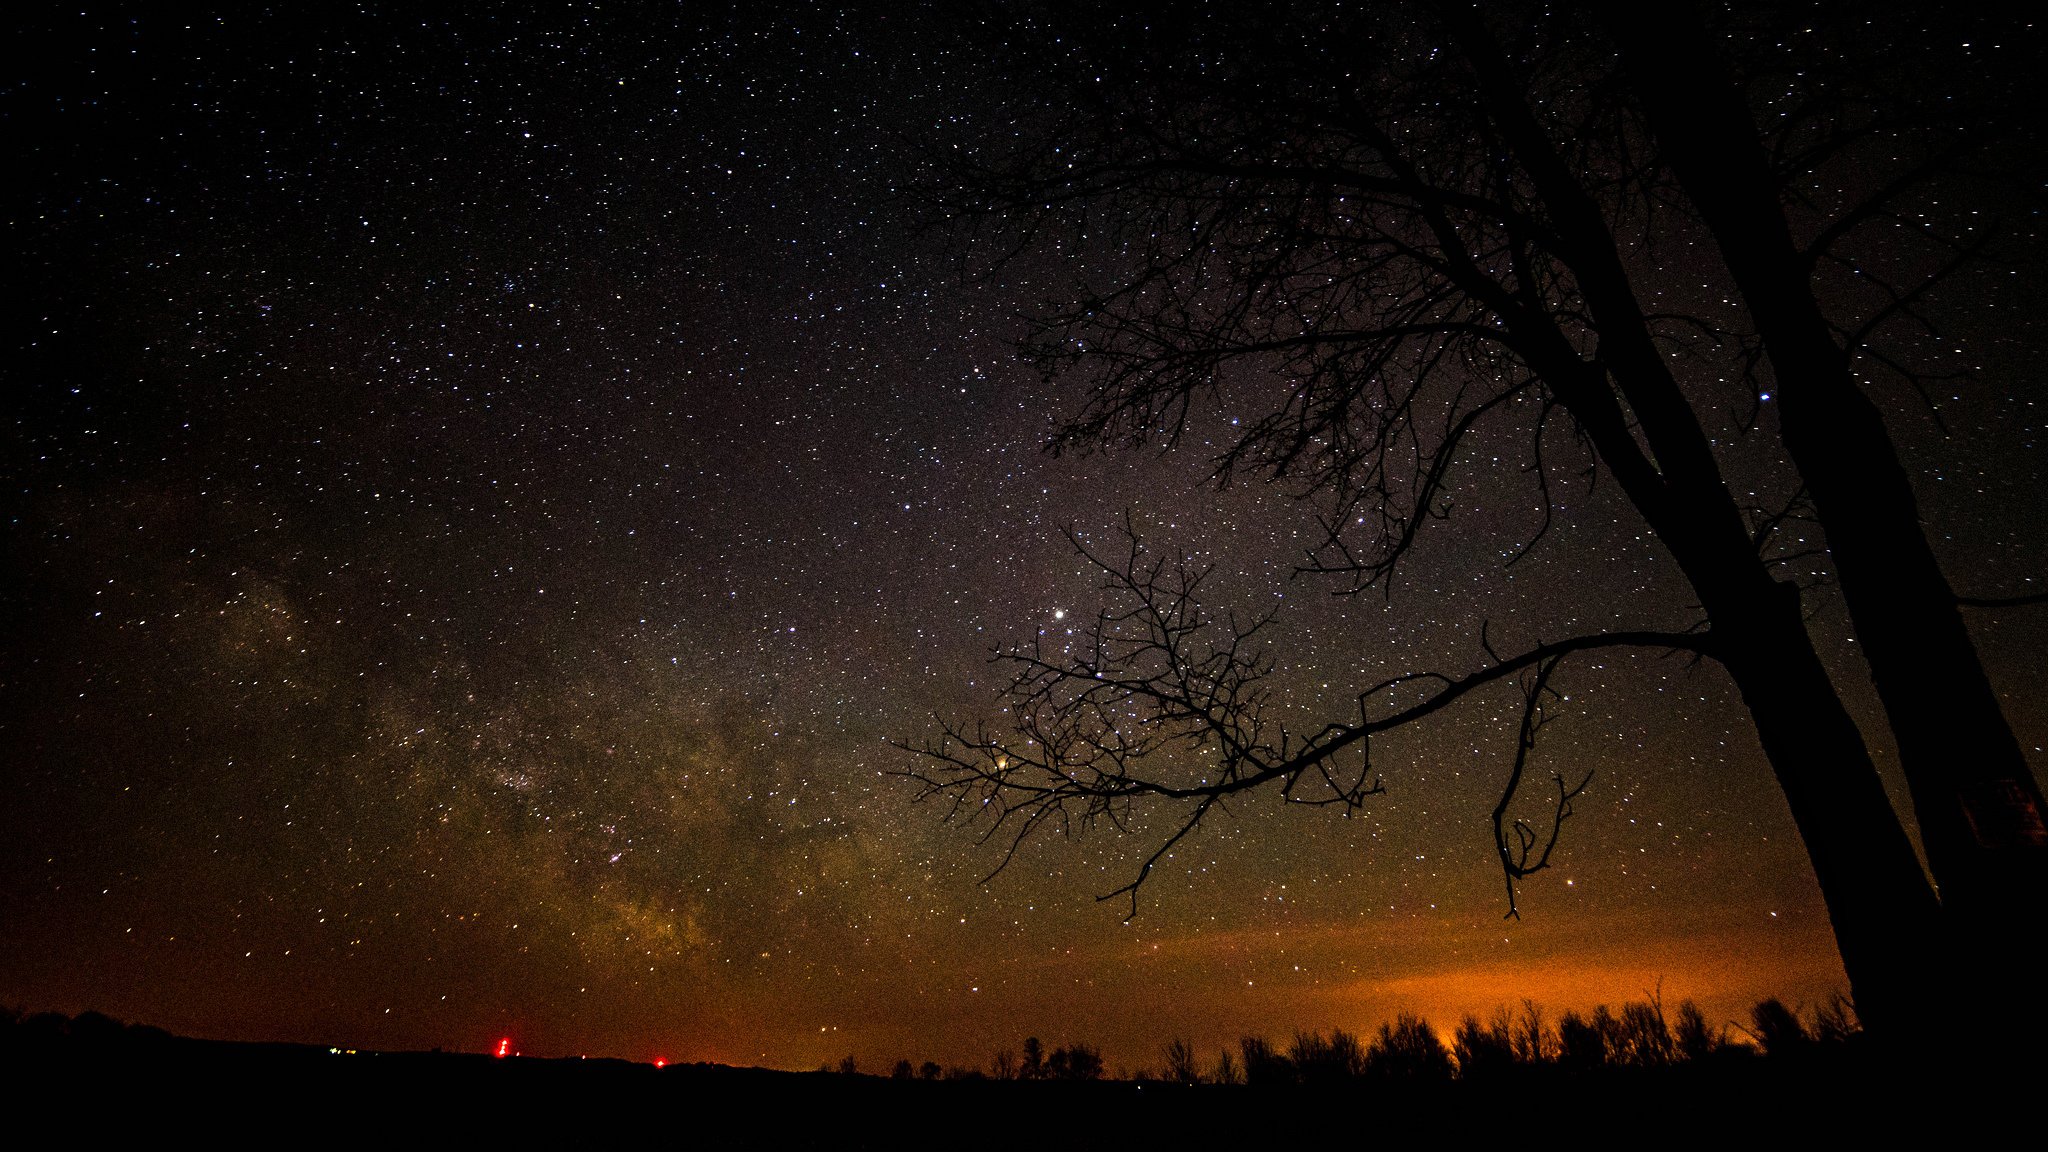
column 1162, row 702
column 1515, row 862
column 2002, row 601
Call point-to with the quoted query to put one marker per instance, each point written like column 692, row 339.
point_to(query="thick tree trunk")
column 1978, row 804
column 1884, row 913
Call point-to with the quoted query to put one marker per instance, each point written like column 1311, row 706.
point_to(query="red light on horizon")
column 504, row 1048
column 660, row 1063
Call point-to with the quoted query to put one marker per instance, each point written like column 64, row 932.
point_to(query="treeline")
column 1508, row 1043
column 1069, row 1062
column 41, row 1033
column 1505, row 1045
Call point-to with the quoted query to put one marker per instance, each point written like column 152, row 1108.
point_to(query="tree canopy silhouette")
column 1374, row 235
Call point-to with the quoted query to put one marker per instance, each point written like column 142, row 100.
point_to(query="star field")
column 485, row 494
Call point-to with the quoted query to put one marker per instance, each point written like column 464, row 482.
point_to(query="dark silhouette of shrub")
column 903, row 1071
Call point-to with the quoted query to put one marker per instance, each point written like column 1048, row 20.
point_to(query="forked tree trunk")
column 1978, row 805
column 1885, row 916
column 1884, row 913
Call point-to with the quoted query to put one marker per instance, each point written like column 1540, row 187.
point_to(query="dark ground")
column 83, row 1086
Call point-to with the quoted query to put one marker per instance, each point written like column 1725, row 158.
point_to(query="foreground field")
column 142, row 1081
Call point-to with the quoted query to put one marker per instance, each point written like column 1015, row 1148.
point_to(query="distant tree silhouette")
column 1642, row 1037
column 1033, row 1067
column 1263, row 1064
column 1835, row 1021
column 1005, row 1066
column 1694, row 1040
column 903, row 1071
column 1777, row 1028
column 1484, row 1051
column 1227, row 1070
column 1074, row 1062
column 929, row 1070
column 1180, row 1063
column 1319, row 1061
column 848, row 1066
column 1534, row 1043
column 1582, row 1042
column 1408, row 1050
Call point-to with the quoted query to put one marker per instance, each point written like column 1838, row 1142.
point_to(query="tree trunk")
column 1884, row 914
column 1978, row 804
column 1883, row 911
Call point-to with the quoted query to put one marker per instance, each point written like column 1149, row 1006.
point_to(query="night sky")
column 483, row 496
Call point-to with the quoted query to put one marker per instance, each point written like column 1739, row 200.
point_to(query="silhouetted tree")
column 1486, row 1050
column 903, row 1071
column 1777, row 1028
column 1835, row 1021
column 1263, row 1065
column 1642, row 1037
column 1408, row 1050
column 1534, row 1043
column 1005, row 1066
column 1227, row 1070
column 1369, row 236
column 1694, row 1040
column 1326, row 1061
column 1582, row 1042
column 1074, row 1062
column 1180, row 1063
column 1978, row 805
column 1034, row 1059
